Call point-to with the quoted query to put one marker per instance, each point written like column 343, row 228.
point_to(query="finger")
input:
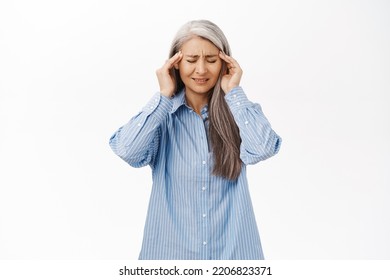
column 174, row 59
column 232, row 61
column 232, row 64
column 223, row 56
column 227, row 58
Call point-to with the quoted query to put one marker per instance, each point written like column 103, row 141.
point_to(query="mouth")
column 200, row 81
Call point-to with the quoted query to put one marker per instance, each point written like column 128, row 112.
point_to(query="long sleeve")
column 137, row 141
column 258, row 140
column 192, row 214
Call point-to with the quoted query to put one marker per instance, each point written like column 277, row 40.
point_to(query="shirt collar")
column 180, row 100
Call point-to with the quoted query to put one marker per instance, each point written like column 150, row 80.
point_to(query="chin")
column 203, row 91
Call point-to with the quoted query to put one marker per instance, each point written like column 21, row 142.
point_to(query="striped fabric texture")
column 192, row 214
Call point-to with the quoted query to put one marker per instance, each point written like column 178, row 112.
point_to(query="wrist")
column 166, row 93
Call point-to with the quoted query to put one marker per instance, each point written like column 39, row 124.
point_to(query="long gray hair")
column 223, row 131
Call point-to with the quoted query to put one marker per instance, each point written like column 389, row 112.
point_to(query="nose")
column 201, row 67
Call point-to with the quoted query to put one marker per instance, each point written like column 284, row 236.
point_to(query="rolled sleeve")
column 136, row 142
column 258, row 140
column 158, row 106
column 237, row 100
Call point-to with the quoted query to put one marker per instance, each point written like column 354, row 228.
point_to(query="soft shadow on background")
column 73, row 72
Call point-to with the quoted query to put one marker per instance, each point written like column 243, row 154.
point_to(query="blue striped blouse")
column 192, row 214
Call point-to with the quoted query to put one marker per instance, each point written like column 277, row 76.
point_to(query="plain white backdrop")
column 72, row 72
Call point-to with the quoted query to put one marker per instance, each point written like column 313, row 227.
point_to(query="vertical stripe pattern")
column 192, row 214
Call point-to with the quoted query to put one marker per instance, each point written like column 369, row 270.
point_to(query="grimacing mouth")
column 200, row 80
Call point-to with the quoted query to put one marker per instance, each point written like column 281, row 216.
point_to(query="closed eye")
column 194, row 60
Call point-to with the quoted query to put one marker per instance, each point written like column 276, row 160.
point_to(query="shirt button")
column 204, row 243
column 204, row 215
column 246, row 122
column 139, row 124
column 204, row 162
column 238, row 103
column 235, row 95
column 203, row 188
column 151, row 107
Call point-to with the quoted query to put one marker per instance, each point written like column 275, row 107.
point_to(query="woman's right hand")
column 165, row 79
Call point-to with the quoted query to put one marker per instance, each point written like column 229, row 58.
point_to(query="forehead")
column 199, row 46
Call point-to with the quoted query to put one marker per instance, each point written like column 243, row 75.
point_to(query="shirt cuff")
column 237, row 100
column 158, row 106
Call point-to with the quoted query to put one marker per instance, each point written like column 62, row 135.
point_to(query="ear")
column 176, row 65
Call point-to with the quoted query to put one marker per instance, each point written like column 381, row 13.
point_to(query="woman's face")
column 200, row 66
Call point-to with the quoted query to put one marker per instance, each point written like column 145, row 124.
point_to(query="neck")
column 196, row 101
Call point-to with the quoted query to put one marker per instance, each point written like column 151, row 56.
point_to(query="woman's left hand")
column 232, row 77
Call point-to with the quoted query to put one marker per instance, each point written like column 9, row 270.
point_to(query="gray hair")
column 223, row 131
column 201, row 28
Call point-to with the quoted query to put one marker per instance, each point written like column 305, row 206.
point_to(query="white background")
column 72, row 72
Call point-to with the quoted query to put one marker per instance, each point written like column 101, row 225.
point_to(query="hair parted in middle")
column 223, row 131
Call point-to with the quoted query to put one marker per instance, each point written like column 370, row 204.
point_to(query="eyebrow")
column 196, row 56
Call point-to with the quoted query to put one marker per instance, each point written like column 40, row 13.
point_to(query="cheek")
column 217, row 66
column 184, row 69
column 217, row 69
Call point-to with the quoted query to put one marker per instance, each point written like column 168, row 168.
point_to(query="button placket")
column 204, row 179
